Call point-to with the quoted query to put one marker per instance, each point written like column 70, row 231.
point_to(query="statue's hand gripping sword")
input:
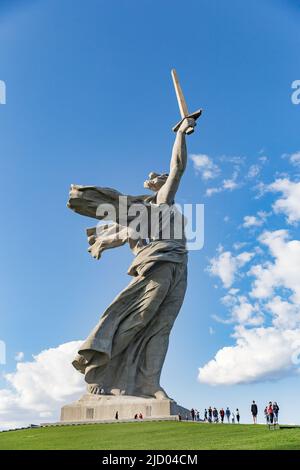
column 182, row 105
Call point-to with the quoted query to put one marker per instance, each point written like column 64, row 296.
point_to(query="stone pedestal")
column 91, row 408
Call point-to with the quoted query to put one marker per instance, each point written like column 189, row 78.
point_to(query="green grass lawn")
column 153, row 435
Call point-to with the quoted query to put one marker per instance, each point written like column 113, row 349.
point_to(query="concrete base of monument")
column 91, row 408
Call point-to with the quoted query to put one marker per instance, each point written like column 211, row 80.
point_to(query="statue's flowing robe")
column 127, row 348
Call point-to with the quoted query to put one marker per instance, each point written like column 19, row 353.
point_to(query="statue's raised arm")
column 166, row 194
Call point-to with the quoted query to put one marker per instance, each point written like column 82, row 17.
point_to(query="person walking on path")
column 222, row 414
column 275, row 411
column 254, row 412
column 228, row 413
column 237, row 414
column 205, row 415
column 193, row 414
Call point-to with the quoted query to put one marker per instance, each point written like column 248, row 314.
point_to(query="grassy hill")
column 153, row 435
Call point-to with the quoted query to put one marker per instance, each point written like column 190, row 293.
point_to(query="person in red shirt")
column 270, row 413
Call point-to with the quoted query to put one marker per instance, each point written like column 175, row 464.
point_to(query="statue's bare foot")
column 95, row 389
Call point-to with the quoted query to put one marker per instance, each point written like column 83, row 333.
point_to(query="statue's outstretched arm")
column 167, row 192
column 112, row 235
column 105, row 237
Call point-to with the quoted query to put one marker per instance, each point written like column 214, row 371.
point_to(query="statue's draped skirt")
column 127, row 348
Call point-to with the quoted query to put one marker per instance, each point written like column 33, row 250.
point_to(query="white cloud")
column 205, row 166
column 255, row 220
column 218, row 319
column 225, row 265
column 253, row 171
column 237, row 160
column 288, row 204
column 294, row 158
column 238, row 245
column 38, row 389
column 245, row 313
column 284, row 271
column 229, row 184
column 233, row 291
column 251, row 221
column 244, row 258
column 19, row 356
column 241, row 311
column 266, row 308
column 259, row 353
column 285, row 314
column 261, row 189
column 262, row 351
column 210, row 191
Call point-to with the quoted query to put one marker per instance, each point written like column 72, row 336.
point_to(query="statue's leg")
column 152, row 357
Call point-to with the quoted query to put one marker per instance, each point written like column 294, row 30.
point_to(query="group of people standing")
column 212, row 415
column 271, row 412
column 195, row 415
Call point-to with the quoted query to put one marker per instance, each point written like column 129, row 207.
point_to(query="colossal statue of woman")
column 125, row 352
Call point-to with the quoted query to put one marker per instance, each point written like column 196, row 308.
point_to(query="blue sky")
column 90, row 101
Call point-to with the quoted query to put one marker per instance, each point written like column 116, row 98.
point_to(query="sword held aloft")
column 182, row 105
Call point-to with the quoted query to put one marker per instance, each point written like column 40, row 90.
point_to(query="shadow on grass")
column 289, row 427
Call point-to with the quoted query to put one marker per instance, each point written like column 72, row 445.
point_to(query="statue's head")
column 155, row 181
